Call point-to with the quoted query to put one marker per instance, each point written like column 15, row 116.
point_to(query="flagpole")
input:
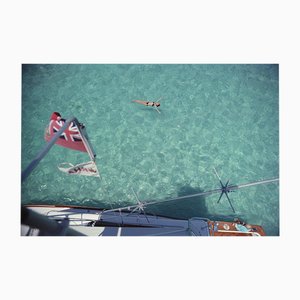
column 85, row 140
column 87, row 144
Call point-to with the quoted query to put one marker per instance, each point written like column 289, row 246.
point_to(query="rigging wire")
column 207, row 193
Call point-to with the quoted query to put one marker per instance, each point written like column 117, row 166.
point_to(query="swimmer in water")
column 148, row 103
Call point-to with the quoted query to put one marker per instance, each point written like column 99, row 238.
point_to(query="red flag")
column 70, row 138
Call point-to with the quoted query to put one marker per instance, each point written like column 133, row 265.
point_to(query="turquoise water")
column 222, row 116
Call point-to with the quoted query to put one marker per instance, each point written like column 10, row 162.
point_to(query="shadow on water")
column 188, row 207
column 183, row 208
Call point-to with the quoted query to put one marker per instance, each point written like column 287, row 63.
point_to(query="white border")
column 148, row 32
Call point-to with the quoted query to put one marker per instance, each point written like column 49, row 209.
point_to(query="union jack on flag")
column 70, row 134
column 70, row 138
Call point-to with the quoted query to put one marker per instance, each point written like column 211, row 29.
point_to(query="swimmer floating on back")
column 149, row 103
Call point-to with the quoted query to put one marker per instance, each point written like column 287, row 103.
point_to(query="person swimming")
column 148, row 103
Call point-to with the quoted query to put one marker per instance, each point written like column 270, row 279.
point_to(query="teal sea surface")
column 212, row 116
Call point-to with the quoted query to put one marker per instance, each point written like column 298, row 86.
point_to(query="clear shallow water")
column 222, row 116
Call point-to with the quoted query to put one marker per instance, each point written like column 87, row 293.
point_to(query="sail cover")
column 70, row 138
